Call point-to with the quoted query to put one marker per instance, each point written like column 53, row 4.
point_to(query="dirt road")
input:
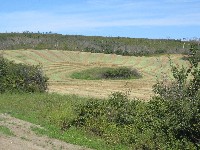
column 25, row 139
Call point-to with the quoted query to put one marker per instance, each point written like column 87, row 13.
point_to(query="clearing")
column 58, row 65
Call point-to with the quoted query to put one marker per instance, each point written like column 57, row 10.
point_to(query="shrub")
column 158, row 124
column 178, row 120
column 21, row 77
column 182, row 86
column 120, row 73
column 107, row 73
column 181, row 100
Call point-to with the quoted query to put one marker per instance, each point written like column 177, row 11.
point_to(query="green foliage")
column 187, row 80
column 168, row 121
column 178, row 120
column 95, row 44
column 51, row 111
column 41, row 46
column 161, row 51
column 158, row 124
column 21, row 77
column 121, row 73
column 6, row 131
column 107, row 73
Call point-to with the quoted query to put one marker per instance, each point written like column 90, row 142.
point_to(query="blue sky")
column 128, row 18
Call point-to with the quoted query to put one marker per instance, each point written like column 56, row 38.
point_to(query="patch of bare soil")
column 25, row 139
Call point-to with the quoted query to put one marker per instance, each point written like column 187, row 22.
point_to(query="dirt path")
column 25, row 139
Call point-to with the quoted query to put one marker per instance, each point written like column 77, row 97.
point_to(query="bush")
column 187, row 80
column 120, row 73
column 107, row 118
column 158, row 124
column 21, row 77
column 181, row 100
column 107, row 73
column 178, row 121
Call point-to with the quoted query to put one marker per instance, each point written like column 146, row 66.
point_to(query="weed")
column 6, row 131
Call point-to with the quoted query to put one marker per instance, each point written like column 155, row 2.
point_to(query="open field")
column 58, row 65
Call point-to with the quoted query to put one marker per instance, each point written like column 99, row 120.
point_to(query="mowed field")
column 58, row 65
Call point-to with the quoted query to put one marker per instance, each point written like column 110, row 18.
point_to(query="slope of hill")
column 59, row 65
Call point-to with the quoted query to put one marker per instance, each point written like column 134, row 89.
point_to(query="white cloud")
column 104, row 14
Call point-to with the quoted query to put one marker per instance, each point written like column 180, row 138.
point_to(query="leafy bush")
column 105, row 118
column 182, row 87
column 182, row 100
column 21, row 77
column 120, row 73
column 107, row 73
column 197, row 54
column 179, row 121
column 158, row 124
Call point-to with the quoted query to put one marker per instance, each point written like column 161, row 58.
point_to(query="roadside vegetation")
column 52, row 111
column 170, row 120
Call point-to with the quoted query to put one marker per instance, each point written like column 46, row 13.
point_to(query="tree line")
column 95, row 44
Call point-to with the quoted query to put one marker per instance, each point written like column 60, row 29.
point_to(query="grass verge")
column 49, row 110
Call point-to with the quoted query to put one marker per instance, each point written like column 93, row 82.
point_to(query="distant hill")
column 95, row 44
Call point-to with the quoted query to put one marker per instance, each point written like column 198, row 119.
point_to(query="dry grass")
column 58, row 65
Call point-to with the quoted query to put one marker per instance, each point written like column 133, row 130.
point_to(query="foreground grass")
column 49, row 111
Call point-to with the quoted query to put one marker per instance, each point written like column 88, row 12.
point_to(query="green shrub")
column 181, row 100
column 187, row 80
column 110, row 119
column 178, row 120
column 158, row 124
column 120, row 73
column 196, row 56
column 107, row 73
column 21, row 77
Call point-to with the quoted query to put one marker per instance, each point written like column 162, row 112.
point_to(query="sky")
column 174, row 19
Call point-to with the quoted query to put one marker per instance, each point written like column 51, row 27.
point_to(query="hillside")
column 58, row 65
column 95, row 44
column 105, row 113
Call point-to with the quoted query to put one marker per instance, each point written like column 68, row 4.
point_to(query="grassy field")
column 62, row 117
column 58, row 65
